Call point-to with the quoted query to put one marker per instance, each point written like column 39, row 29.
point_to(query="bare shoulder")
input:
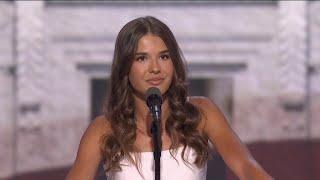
column 96, row 129
column 89, row 153
column 100, row 125
column 213, row 119
column 207, row 108
column 199, row 100
column 205, row 104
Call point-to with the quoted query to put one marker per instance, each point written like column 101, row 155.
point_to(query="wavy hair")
column 184, row 117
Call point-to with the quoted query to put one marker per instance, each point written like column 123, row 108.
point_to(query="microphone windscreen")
column 153, row 91
column 153, row 94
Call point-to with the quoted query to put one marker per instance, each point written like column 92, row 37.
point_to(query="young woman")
column 147, row 55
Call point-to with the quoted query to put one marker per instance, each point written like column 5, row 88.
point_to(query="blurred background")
column 258, row 60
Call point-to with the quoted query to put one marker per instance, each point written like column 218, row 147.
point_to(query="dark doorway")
column 98, row 96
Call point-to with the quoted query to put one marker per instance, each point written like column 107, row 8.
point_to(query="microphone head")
column 153, row 96
column 153, row 90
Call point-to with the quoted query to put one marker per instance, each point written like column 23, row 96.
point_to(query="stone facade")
column 314, row 68
column 7, row 99
column 268, row 50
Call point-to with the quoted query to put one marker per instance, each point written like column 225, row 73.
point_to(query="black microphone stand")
column 157, row 143
column 154, row 101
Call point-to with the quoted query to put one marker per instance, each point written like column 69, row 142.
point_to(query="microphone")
column 154, row 101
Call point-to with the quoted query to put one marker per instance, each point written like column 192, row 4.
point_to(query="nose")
column 154, row 66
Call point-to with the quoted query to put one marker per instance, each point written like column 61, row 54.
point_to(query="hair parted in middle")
column 184, row 117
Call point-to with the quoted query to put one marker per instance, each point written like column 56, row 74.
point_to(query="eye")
column 165, row 56
column 141, row 58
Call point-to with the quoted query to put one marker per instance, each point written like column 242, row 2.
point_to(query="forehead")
column 151, row 42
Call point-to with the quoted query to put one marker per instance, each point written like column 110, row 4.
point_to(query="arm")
column 234, row 153
column 88, row 156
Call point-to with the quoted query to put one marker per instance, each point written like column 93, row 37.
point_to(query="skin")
column 153, row 66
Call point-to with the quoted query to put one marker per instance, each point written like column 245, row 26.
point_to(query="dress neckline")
column 163, row 151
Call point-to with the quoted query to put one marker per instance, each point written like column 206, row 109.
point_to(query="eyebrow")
column 144, row 53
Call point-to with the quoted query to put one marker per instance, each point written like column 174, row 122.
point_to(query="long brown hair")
column 184, row 117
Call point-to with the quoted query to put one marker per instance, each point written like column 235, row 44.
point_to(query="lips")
column 155, row 81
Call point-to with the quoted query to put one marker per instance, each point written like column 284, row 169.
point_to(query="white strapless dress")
column 170, row 168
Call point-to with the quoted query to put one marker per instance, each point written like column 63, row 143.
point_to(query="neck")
column 143, row 116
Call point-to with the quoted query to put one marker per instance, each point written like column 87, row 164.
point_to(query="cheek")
column 170, row 70
column 135, row 74
column 132, row 76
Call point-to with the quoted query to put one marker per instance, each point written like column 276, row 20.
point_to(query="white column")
column 6, row 90
column 31, row 74
column 292, row 64
column 314, row 96
column 293, row 51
